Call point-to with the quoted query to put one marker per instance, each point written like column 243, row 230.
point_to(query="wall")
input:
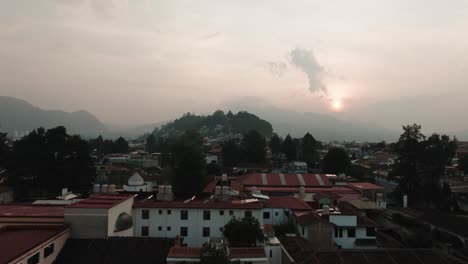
column 87, row 222
column 59, row 241
column 278, row 216
column 343, row 220
column 113, row 214
column 321, row 236
column 194, row 223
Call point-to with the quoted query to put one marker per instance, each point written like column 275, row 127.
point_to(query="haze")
column 136, row 62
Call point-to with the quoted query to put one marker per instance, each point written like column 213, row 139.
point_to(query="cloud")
column 210, row 36
column 306, row 61
column 277, row 68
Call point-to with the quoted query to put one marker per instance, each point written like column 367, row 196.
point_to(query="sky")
column 144, row 61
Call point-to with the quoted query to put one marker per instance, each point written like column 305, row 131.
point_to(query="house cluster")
column 328, row 214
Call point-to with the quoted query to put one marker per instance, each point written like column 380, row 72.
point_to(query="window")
column 231, row 212
column 276, row 213
column 183, row 215
column 351, row 232
column 206, row 232
column 338, row 232
column 221, row 229
column 168, row 212
column 271, row 253
column 168, row 228
column 206, row 215
column 34, row 259
column 248, row 213
column 160, row 212
column 159, row 228
column 183, row 231
column 49, row 250
column 145, row 214
column 303, row 231
column 221, row 212
column 341, row 233
column 266, row 215
column 144, row 231
column 370, row 231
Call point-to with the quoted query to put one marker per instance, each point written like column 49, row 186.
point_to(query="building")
column 136, row 183
column 344, row 225
column 194, row 220
column 6, row 194
column 298, row 167
column 13, row 214
column 32, row 244
column 371, row 191
column 278, row 209
column 101, row 216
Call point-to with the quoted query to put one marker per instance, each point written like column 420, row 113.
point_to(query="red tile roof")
column 210, row 204
column 287, row 202
column 101, row 201
column 339, row 190
column 287, row 180
column 18, row 240
column 242, row 253
column 31, row 210
column 365, row 186
column 184, row 252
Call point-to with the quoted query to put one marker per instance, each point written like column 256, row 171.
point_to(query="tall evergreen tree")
column 231, row 153
column 151, row 145
column 289, row 148
column 309, row 150
column 120, row 146
column 275, row 144
column 253, row 147
column 336, row 161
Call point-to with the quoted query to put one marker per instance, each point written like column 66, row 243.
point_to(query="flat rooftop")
column 101, row 201
column 19, row 239
column 201, row 204
column 365, row 186
column 31, row 210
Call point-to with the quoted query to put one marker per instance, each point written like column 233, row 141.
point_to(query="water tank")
column 104, row 188
column 169, row 189
column 112, row 188
column 96, row 188
column 225, row 190
column 224, row 177
column 218, row 190
column 161, row 189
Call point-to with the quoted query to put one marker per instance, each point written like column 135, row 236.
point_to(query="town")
column 222, row 195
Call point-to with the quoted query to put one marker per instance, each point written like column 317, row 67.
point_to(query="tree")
column 120, row 146
column 4, row 149
column 463, row 163
column 212, row 253
column 253, row 146
column 275, row 144
column 336, row 161
column 46, row 161
column 309, row 150
column 185, row 161
column 243, row 232
column 151, row 144
column 231, row 153
column 97, row 144
column 289, row 148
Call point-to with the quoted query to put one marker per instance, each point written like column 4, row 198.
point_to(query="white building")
column 196, row 221
column 137, row 184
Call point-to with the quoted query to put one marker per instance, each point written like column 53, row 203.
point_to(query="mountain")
column 217, row 124
column 322, row 126
column 19, row 115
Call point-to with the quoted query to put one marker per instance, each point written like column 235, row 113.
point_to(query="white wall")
column 113, row 214
column 59, row 241
column 278, row 216
column 194, row 223
column 343, row 220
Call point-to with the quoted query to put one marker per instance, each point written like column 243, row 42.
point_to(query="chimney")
column 161, row 192
column 64, row 191
column 302, row 191
column 168, row 195
column 405, row 201
column 225, row 193
column 325, row 209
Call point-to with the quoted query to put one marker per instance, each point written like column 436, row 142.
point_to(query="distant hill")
column 19, row 115
column 323, row 127
column 218, row 123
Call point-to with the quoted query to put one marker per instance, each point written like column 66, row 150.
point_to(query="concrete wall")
column 59, row 241
column 87, row 222
column 194, row 223
column 343, row 220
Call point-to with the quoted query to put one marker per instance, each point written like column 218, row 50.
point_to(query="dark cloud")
column 306, row 61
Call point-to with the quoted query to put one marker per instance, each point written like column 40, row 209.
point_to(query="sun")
column 337, row 105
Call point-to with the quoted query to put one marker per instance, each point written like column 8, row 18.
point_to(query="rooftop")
column 31, row 210
column 364, row 186
column 286, row 202
column 184, row 252
column 285, row 180
column 19, row 239
column 202, row 204
column 101, row 201
column 240, row 253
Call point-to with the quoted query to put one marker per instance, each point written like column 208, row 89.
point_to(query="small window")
column 271, row 253
column 144, row 231
column 169, row 212
column 145, row 214
column 183, row 231
column 336, row 231
column 49, row 250
column 206, row 215
column 221, row 229
column 231, row 212
column 183, row 215
column 266, row 215
column 160, row 212
column 159, row 228
column 340, row 233
column 206, row 232
column 276, row 213
column 303, row 231
column 221, row 212
column 351, row 232
column 34, row 259
column 370, row 232
column 168, row 228
column 248, row 213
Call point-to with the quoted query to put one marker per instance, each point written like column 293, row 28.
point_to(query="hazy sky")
column 142, row 61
